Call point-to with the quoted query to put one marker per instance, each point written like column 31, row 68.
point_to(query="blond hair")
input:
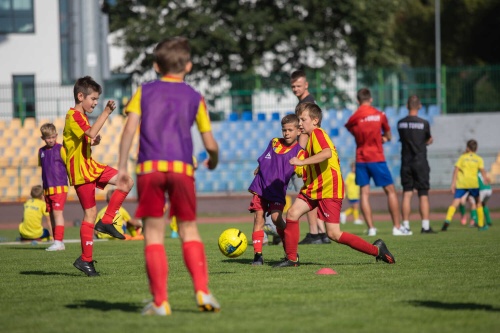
column 47, row 130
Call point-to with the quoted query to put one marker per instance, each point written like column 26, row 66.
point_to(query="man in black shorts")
column 415, row 135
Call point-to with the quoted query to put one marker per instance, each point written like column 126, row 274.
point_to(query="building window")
column 23, row 91
column 16, row 16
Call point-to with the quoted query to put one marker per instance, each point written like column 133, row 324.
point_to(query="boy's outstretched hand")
column 110, row 106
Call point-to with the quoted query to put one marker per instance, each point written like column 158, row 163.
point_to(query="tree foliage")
column 245, row 36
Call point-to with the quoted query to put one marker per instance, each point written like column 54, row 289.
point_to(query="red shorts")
column 258, row 203
column 55, row 201
column 86, row 192
column 151, row 189
column 328, row 209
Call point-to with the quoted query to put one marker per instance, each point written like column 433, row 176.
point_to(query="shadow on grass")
column 43, row 273
column 105, row 305
column 454, row 306
column 36, row 248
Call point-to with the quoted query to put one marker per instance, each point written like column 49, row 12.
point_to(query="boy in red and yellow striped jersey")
column 85, row 174
column 323, row 188
column 165, row 110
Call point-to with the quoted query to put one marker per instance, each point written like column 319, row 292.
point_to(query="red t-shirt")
column 367, row 125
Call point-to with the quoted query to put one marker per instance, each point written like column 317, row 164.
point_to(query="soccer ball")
column 232, row 243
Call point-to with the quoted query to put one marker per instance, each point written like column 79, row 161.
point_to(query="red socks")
column 291, row 241
column 59, row 233
column 87, row 240
column 157, row 270
column 257, row 239
column 281, row 233
column 196, row 263
column 358, row 243
column 115, row 202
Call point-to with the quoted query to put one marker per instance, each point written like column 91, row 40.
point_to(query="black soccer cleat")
column 258, row 259
column 108, row 229
column 285, row 262
column 445, row 226
column 324, row 238
column 383, row 252
column 311, row 239
column 276, row 240
column 427, row 231
column 86, row 267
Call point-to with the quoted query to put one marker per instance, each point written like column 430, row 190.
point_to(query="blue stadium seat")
column 275, row 116
column 233, row 116
column 247, row 116
column 403, row 111
column 433, row 110
column 390, row 112
column 261, row 116
column 334, row 132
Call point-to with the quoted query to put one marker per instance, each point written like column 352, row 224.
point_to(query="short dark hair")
column 364, row 95
column 413, row 103
column 472, row 145
column 298, row 74
column 314, row 111
column 172, row 54
column 36, row 191
column 290, row 119
column 87, row 86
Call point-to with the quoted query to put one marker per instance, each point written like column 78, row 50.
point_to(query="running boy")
column 352, row 192
column 271, row 181
column 465, row 180
column 51, row 158
column 34, row 210
column 323, row 188
column 85, row 174
column 165, row 110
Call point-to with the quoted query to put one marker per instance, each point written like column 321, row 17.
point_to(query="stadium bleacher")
column 241, row 142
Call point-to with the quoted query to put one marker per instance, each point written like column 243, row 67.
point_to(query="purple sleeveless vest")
column 53, row 167
column 274, row 173
column 169, row 110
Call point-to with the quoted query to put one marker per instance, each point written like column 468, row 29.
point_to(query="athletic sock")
column 450, row 213
column 115, row 202
column 196, row 263
column 281, row 233
column 87, row 240
column 406, row 224
column 480, row 217
column 292, row 235
column 358, row 243
column 355, row 214
column 425, row 224
column 59, row 233
column 348, row 211
column 474, row 217
column 487, row 216
column 157, row 270
column 461, row 208
column 257, row 240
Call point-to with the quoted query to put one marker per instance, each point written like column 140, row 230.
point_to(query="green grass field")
column 448, row 282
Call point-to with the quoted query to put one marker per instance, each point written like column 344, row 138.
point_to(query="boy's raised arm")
column 94, row 130
column 212, row 149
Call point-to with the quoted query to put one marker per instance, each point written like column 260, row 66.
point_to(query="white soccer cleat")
column 402, row 231
column 206, row 302
column 57, row 246
column 343, row 218
column 372, row 232
column 359, row 222
column 152, row 310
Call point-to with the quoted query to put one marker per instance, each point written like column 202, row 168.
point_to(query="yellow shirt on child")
column 34, row 211
column 468, row 166
column 352, row 189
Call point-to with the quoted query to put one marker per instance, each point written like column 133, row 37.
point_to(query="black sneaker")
column 445, row 226
column 258, row 259
column 427, row 231
column 311, row 239
column 108, row 229
column 276, row 240
column 325, row 239
column 307, row 239
column 86, row 267
column 383, row 252
column 287, row 263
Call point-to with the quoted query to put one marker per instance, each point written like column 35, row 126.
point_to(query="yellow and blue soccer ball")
column 232, row 243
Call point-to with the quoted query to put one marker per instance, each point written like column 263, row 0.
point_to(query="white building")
column 45, row 45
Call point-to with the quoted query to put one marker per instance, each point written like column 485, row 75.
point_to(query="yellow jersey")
column 119, row 222
column 468, row 166
column 34, row 211
column 352, row 190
